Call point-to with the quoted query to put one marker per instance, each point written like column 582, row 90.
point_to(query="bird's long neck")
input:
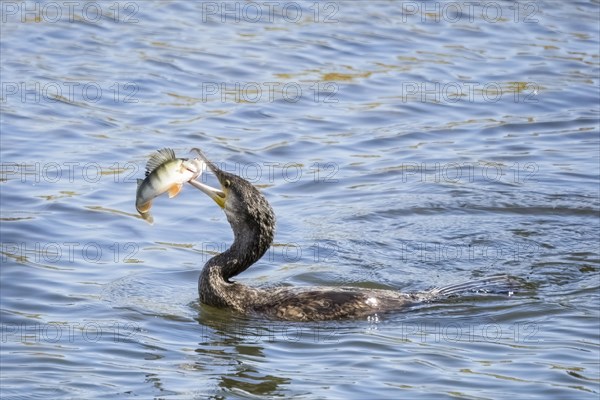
column 252, row 239
column 240, row 256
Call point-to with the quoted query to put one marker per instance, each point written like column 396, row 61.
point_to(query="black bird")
column 253, row 223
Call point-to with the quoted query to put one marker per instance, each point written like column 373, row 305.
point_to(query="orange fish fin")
column 174, row 190
column 144, row 208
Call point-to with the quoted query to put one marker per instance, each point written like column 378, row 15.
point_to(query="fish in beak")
column 219, row 196
column 165, row 173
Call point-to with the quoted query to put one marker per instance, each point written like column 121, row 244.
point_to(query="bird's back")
column 321, row 304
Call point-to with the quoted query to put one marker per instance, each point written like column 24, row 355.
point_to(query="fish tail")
column 144, row 207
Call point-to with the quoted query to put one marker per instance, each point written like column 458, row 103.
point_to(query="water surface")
column 403, row 145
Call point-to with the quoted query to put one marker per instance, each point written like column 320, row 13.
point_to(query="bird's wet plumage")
column 253, row 223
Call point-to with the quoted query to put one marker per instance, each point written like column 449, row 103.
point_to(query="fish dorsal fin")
column 158, row 158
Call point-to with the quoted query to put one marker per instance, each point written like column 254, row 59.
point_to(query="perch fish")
column 165, row 173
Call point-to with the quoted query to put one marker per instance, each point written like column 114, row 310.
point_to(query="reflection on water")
column 235, row 346
column 403, row 145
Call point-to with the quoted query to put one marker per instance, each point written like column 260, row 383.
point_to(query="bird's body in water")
column 253, row 221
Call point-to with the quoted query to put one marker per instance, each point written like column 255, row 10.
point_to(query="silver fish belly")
column 165, row 173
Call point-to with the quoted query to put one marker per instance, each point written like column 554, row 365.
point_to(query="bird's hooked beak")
column 219, row 196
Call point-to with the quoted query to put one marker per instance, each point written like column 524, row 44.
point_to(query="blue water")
column 402, row 145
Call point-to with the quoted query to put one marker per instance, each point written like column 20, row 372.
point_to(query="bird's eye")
column 227, row 183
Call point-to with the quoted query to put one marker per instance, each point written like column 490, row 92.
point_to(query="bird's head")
column 245, row 206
